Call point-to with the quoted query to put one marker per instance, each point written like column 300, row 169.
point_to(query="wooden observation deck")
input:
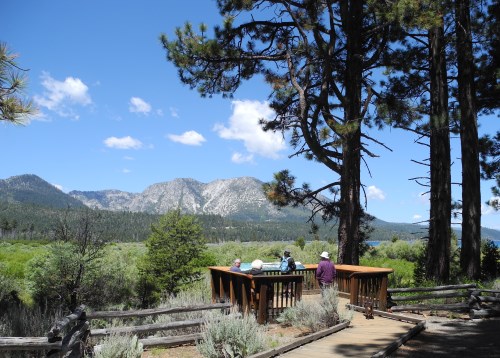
column 269, row 294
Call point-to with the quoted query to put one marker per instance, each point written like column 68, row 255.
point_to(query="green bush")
column 400, row 249
column 490, row 265
column 230, row 336
column 52, row 276
column 175, row 243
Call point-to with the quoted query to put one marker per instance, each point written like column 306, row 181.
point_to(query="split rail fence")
column 479, row 303
column 77, row 325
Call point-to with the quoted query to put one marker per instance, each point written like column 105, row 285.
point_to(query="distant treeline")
column 24, row 221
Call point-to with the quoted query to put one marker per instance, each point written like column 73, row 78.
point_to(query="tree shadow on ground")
column 466, row 339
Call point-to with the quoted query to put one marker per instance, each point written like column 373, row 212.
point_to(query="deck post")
column 383, row 294
column 262, row 314
column 354, row 290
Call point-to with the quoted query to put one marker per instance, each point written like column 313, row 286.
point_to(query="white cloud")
column 188, row 138
column 244, row 125
column 372, row 192
column 59, row 96
column 239, row 158
column 174, row 112
column 128, row 158
column 138, row 105
column 126, row 171
column 123, row 143
column 417, row 217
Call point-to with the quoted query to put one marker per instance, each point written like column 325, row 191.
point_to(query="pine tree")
column 416, row 99
column 175, row 242
column 14, row 107
column 470, row 253
column 318, row 58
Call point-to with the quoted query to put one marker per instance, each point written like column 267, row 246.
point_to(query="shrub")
column 175, row 242
column 315, row 315
column 120, row 346
column 401, row 249
column 229, row 336
column 490, row 265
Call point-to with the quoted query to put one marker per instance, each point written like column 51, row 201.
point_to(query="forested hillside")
column 24, row 221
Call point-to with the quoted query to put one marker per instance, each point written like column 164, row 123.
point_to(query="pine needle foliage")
column 14, row 107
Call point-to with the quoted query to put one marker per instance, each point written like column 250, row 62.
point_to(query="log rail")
column 480, row 303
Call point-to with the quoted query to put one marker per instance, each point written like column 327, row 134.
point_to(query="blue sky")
column 114, row 115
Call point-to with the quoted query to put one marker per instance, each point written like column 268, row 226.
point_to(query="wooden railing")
column 266, row 295
column 358, row 283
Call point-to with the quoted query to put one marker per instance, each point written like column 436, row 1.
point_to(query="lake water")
column 376, row 243
column 268, row 266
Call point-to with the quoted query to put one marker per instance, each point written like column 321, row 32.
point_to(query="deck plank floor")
column 363, row 338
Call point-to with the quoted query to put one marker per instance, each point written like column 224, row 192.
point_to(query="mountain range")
column 237, row 199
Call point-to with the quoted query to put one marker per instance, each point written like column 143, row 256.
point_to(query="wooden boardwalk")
column 363, row 338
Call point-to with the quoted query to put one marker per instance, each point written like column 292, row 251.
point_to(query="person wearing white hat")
column 326, row 272
column 256, row 267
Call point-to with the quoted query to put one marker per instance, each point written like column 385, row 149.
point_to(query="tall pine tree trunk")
column 470, row 253
column 351, row 155
column 438, row 250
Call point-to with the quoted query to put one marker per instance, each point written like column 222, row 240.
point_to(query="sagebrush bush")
column 307, row 315
column 119, row 346
column 316, row 316
column 231, row 335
